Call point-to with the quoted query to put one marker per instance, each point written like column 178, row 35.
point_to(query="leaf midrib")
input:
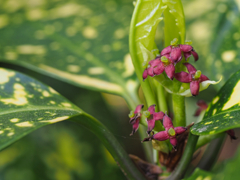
column 36, row 108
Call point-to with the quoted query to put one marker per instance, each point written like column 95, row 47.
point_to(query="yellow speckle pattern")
column 46, row 94
column 56, row 119
column 19, row 96
column 5, row 75
column 65, row 104
column 210, row 122
column 215, row 100
column 24, row 124
column 10, row 134
column 214, row 111
column 14, row 120
column 234, row 98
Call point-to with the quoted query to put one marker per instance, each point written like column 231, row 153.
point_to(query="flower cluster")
column 151, row 117
column 167, row 61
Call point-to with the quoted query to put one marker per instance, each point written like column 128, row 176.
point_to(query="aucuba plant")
column 161, row 78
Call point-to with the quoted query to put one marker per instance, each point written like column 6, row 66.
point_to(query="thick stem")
column 112, row 145
column 179, row 172
column 179, row 110
column 211, row 153
column 206, row 139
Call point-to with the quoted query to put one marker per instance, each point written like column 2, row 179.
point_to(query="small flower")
column 151, row 117
column 231, row 133
column 135, row 118
column 175, row 51
column 194, row 77
column 158, row 65
column 202, row 107
column 170, row 132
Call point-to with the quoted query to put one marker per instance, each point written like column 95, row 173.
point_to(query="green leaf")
column 27, row 105
column 81, row 42
column 223, row 112
column 200, row 175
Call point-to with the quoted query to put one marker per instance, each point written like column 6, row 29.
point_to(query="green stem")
column 112, row 145
column 211, row 153
column 179, row 110
column 206, row 139
column 179, row 172
column 162, row 98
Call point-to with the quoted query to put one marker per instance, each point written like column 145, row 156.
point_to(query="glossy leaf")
column 223, row 112
column 80, row 42
column 27, row 105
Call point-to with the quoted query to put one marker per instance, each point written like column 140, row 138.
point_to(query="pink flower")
column 202, row 107
column 135, row 118
column 158, row 66
column 194, row 77
column 175, row 51
column 188, row 51
column 152, row 117
column 170, row 132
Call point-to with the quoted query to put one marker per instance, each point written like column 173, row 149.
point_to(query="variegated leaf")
column 27, row 105
column 224, row 111
column 81, row 42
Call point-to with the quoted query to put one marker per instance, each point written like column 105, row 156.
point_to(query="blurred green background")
column 69, row 36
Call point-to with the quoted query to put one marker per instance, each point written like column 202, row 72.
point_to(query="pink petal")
column 173, row 141
column 150, row 71
column 195, row 55
column 138, row 108
column 161, row 136
column 185, row 47
column 194, row 87
column 170, row 71
column 154, row 62
column 167, row 122
column 135, row 126
column 183, row 77
column 176, row 54
column 151, row 124
column 180, row 130
column 159, row 69
column 166, row 50
column 203, row 78
column 191, row 69
column 187, row 55
column 145, row 74
column 151, row 109
column 158, row 116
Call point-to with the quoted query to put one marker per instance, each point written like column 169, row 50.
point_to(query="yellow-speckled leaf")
column 84, row 43
column 26, row 105
column 224, row 111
